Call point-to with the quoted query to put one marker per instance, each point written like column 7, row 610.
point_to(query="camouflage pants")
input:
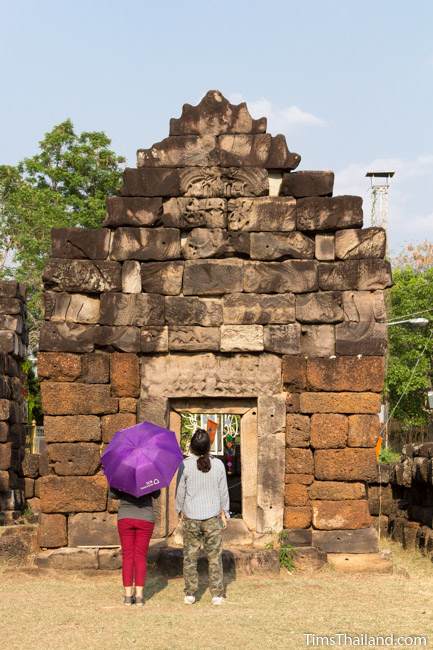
column 206, row 532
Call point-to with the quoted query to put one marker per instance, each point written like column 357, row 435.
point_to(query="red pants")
column 134, row 536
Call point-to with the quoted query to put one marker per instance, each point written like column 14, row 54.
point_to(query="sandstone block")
column 283, row 339
column 162, row 277
column 124, row 339
column 297, row 517
column 380, row 499
column 346, row 373
column 259, row 150
column 186, row 213
column 30, row 465
column 361, row 306
column 274, row 246
column 209, row 375
column 67, row 337
column 201, row 243
column 62, row 398
column 297, row 431
column 248, row 309
column 363, row 430
column 357, row 244
column 340, row 402
column 85, row 276
column 131, row 277
column 52, row 531
column 299, row 461
column 215, row 115
column 368, row 274
column 59, row 366
column 328, row 430
column 68, row 559
column 358, row 540
column 212, row 277
column 181, row 310
column 92, row 529
column 333, row 515
column 10, row 305
column 71, row 307
column 193, row 338
column 325, row 248
column 9, row 343
column 318, row 340
column 297, row 276
column 29, row 488
column 132, row 211
column 345, row 464
column 125, row 374
column 109, row 559
column 73, row 493
column 295, row 371
column 80, row 243
column 145, row 244
column 154, row 339
column 116, row 422
column 365, row 337
column 306, row 183
column 292, row 402
column 324, row 307
column 329, row 213
column 336, row 490
column 262, row 214
column 140, row 309
column 95, row 368
column 241, row 338
column 180, row 151
column 272, row 421
column 5, row 409
column 296, row 495
column 76, row 459
column 5, row 483
column 72, row 428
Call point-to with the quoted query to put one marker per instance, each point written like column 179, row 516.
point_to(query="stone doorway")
column 247, row 410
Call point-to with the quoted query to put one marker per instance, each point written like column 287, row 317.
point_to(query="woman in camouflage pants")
column 202, row 499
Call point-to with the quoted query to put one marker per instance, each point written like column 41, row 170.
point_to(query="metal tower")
column 379, row 197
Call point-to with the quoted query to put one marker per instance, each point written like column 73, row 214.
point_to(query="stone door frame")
column 247, row 409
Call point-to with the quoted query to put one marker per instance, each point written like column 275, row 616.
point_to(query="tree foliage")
column 64, row 185
column 411, row 295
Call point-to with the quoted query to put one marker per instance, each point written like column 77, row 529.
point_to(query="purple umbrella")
column 141, row 459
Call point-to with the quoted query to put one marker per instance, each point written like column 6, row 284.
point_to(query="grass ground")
column 74, row 612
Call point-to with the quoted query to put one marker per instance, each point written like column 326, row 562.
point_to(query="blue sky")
column 350, row 83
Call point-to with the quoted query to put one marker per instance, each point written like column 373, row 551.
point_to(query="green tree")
column 412, row 294
column 64, row 185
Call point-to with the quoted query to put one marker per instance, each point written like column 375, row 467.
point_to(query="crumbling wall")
column 13, row 407
column 219, row 272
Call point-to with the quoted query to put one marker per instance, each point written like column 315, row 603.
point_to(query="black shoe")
column 139, row 601
column 128, row 600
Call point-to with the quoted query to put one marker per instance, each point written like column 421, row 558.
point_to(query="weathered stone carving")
column 303, row 184
column 145, row 244
column 328, row 213
column 162, row 277
column 284, row 339
column 215, row 115
column 132, row 211
column 139, row 309
column 358, row 244
column 82, row 276
column 323, row 307
column 274, row 246
column 194, row 213
column 247, row 309
column 262, row 214
column 295, row 276
column 67, row 337
column 223, row 181
column 325, row 248
column 180, row 310
column 368, row 274
column 214, row 242
column 192, row 337
column 318, row 340
column 212, row 277
column 242, row 338
column 74, row 307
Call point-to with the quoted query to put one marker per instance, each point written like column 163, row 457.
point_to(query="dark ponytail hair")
column 200, row 446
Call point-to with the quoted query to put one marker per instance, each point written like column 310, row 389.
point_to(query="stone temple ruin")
column 222, row 281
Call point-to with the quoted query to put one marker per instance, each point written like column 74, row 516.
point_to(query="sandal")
column 139, row 601
column 128, row 600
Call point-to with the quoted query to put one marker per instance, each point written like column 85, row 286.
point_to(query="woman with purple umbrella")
column 137, row 463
